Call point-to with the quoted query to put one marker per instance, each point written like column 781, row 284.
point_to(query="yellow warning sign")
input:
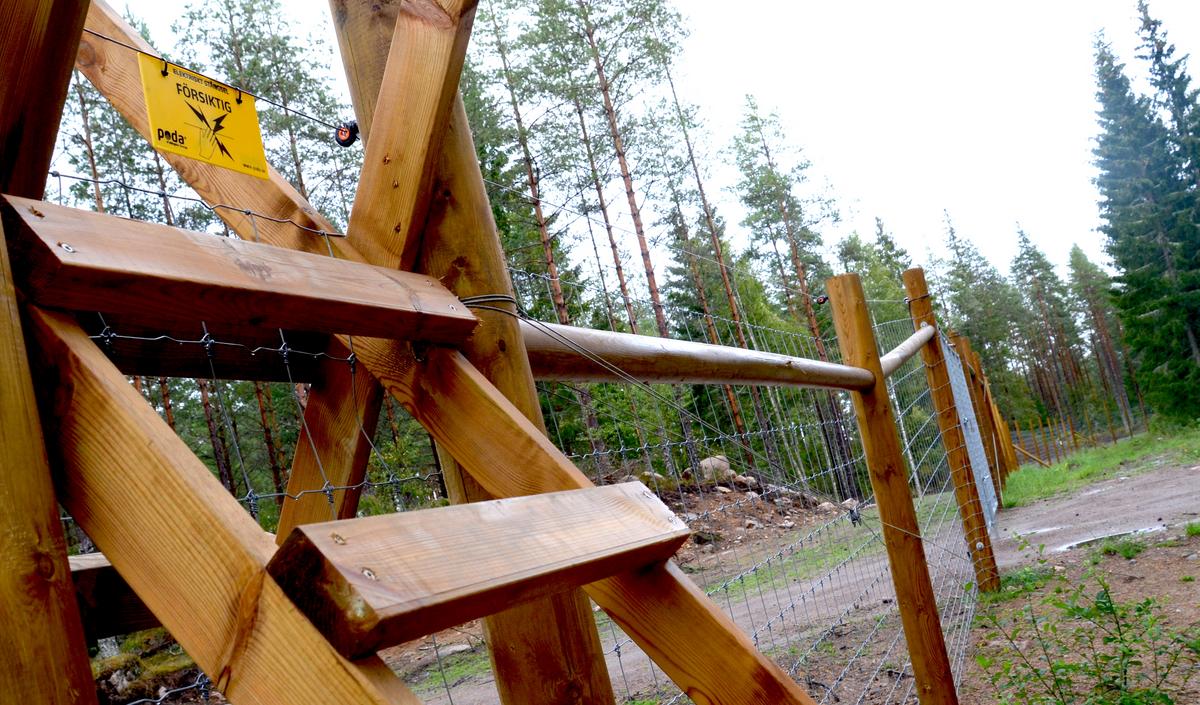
column 198, row 117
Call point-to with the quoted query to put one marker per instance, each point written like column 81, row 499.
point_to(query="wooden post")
column 963, row 345
column 1021, row 436
column 889, row 479
column 970, row 509
column 43, row 658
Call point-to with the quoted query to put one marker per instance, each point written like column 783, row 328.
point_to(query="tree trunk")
column 269, row 440
column 168, row 413
column 619, row 147
column 603, row 205
column 719, row 253
column 87, row 144
column 216, row 438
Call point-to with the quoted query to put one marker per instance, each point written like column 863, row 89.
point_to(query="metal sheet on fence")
column 970, row 427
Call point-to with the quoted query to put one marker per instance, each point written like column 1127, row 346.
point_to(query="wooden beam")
column 554, row 355
column 198, row 560
column 376, row 582
column 1033, row 457
column 80, row 260
column 37, row 45
column 417, row 91
column 684, row 632
column 281, row 216
column 966, row 493
column 43, row 657
column 239, row 353
column 889, row 479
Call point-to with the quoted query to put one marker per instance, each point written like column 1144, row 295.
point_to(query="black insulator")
column 347, row 133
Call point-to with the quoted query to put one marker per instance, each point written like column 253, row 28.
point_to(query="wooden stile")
column 371, row 583
column 290, row 223
column 889, row 479
column 966, row 493
column 43, row 658
column 80, row 260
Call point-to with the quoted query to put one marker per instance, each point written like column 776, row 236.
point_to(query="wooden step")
column 156, row 274
column 379, row 581
column 106, row 603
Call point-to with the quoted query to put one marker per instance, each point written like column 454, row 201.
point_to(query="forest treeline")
column 600, row 174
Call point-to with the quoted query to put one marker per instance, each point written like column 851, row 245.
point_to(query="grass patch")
column 455, row 669
column 1193, row 528
column 1125, row 548
column 1016, row 583
column 1128, row 455
column 1188, row 579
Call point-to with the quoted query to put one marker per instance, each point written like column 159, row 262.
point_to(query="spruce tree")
column 1151, row 239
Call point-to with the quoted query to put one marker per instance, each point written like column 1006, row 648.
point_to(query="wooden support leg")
column 889, row 478
column 970, row 509
column 197, row 558
column 43, row 658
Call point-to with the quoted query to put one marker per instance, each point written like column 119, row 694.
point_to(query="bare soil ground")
column 1153, row 507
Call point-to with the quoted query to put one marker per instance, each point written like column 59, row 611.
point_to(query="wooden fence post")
column 889, row 480
column 970, row 508
column 986, row 433
column 43, row 658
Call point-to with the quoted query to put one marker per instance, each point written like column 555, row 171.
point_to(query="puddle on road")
column 1116, row 535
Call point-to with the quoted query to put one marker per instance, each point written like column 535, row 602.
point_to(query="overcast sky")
column 908, row 109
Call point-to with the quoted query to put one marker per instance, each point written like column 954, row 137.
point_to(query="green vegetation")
column 1188, row 579
column 1079, row 645
column 1125, row 548
column 1019, row 582
column 1176, row 445
column 1193, row 528
column 454, row 669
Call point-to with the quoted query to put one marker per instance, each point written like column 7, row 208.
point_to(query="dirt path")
column 1146, row 501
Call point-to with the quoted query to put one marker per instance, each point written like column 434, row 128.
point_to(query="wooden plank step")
column 84, row 261
column 379, row 581
column 108, row 605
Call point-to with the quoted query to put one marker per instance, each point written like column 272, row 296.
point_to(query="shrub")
column 1076, row 646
